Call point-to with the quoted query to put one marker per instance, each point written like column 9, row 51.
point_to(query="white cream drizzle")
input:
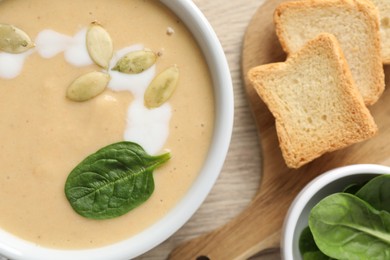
column 11, row 65
column 49, row 43
column 147, row 127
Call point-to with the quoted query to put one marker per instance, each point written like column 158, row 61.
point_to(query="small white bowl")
column 327, row 183
column 186, row 10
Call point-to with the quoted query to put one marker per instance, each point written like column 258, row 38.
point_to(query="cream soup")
column 44, row 135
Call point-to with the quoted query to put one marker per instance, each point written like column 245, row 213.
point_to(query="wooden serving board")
column 258, row 227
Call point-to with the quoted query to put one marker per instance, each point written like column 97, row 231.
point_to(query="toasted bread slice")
column 383, row 7
column 354, row 23
column 317, row 107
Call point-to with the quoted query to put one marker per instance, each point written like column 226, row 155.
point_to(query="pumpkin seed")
column 161, row 88
column 135, row 62
column 13, row 39
column 87, row 86
column 99, row 45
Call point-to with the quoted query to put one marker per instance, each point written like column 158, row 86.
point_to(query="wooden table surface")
column 240, row 176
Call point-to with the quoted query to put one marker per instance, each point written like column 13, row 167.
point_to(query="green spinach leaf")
column 306, row 241
column 112, row 181
column 308, row 248
column 346, row 227
column 353, row 188
column 316, row 255
column 377, row 193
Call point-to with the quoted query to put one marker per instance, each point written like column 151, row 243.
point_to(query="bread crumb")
column 170, row 31
column 160, row 52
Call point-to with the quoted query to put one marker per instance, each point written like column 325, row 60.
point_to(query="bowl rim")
column 310, row 190
column 16, row 248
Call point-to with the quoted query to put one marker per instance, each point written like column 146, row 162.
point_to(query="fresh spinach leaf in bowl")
column 350, row 226
column 377, row 193
column 308, row 248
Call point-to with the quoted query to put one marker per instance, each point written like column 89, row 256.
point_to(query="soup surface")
column 44, row 135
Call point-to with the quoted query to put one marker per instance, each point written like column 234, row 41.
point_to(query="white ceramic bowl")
column 15, row 248
column 330, row 182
